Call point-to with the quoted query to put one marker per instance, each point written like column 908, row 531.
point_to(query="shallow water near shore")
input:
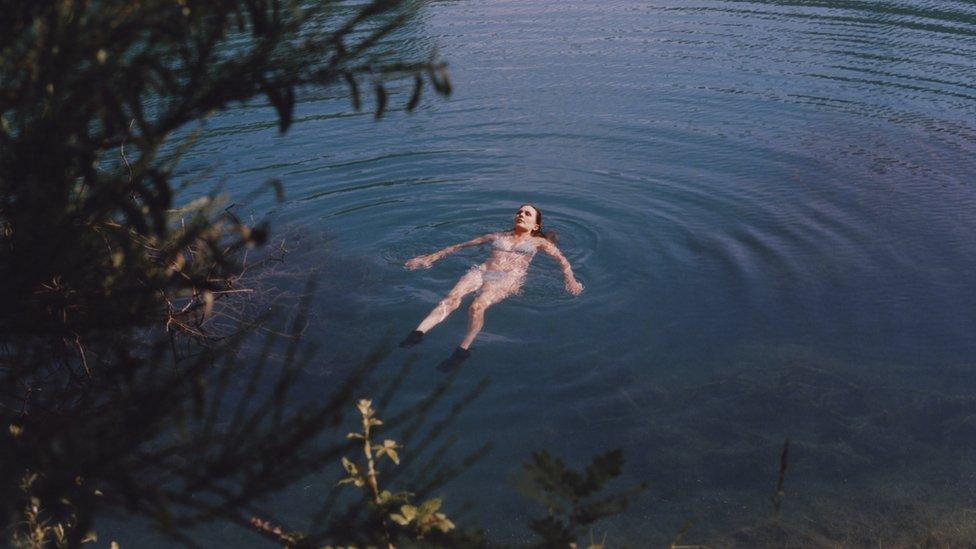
column 771, row 205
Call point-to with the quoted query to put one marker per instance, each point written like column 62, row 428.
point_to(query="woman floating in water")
column 499, row 277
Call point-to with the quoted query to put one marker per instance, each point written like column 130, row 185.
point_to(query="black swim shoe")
column 412, row 339
column 455, row 360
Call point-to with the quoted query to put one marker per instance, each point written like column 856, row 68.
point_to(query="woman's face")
column 526, row 218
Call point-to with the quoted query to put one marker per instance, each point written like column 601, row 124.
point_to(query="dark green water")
column 771, row 205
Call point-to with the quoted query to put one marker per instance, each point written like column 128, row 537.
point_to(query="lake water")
column 771, row 205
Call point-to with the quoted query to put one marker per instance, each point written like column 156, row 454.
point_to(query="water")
column 771, row 207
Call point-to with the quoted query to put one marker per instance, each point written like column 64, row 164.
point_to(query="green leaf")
column 429, row 506
column 399, row 519
column 409, row 512
column 443, row 523
column 357, row 481
column 350, row 467
column 365, row 407
column 387, row 449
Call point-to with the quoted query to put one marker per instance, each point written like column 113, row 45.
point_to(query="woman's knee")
column 478, row 306
column 450, row 303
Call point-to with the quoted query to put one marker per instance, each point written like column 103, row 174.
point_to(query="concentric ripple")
column 722, row 174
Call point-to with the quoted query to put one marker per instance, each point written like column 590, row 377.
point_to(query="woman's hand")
column 574, row 287
column 420, row 262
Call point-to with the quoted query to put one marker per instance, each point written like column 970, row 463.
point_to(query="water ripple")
column 721, row 173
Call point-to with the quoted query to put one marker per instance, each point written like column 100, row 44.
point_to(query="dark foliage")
column 573, row 498
column 110, row 377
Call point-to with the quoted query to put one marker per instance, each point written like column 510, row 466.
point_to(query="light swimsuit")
column 491, row 275
column 525, row 248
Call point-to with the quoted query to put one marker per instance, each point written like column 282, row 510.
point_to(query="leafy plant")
column 38, row 531
column 110, row 367
column 413, row 520
column 574, row 499
column 394, row 513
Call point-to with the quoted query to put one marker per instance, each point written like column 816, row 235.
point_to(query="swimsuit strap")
column 505, row 245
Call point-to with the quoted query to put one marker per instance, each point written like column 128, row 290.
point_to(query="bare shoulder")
column 489, row 237
column 545, row 245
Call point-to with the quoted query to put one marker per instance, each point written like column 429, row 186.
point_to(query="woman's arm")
column 572, row 285
column 425, row 261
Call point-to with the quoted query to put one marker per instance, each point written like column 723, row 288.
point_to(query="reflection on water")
column 791, row 178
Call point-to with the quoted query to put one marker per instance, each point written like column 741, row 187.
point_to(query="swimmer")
column 499, row 277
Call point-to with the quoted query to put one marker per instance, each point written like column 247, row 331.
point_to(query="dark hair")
column 551, row 236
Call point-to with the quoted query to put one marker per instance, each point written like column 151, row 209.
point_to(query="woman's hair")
column 551, row 236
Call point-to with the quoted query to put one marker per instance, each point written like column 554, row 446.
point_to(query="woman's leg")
column 491, row 292
column 468, row 283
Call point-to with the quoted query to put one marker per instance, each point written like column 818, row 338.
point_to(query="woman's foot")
column 455, row 360
column 412, row 339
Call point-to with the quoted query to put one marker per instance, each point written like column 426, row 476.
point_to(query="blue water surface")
column 770, row 203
